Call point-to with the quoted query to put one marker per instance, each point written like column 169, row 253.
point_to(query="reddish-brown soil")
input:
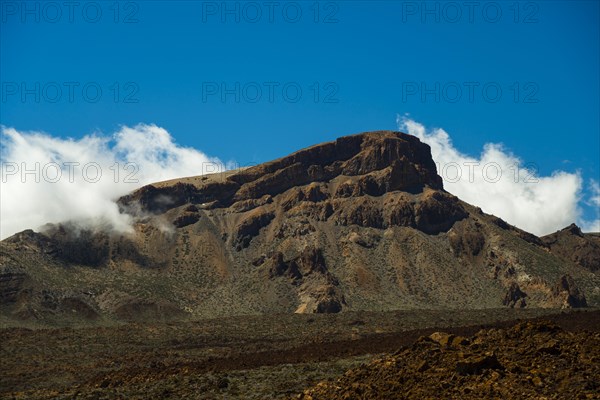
column 556, row 358
column 236, row 357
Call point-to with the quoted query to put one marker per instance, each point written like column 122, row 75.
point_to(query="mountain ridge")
column 359, row 223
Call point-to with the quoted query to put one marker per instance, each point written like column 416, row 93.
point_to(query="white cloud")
column 75, row 194
column 590, row 226
column 594, row 201
column 499, row 183
column 595, row 189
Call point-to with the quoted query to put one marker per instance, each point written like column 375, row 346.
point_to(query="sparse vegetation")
column 261, row 357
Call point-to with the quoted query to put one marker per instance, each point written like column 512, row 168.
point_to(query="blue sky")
column 166, row 63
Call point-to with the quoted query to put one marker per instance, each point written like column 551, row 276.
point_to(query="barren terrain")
column 251, row 357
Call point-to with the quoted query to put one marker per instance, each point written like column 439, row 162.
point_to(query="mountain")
column 572, row 244
column 360, row 223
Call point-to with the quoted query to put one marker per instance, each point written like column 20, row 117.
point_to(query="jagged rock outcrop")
column 11, row 286
column 466, row 239
column 569, row 293
column 318, row 288
column 572, row 244
column 514, row 297
column 437, row 212
column 188, row 216
column 249, row 227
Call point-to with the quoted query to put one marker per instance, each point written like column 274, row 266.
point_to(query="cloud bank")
column 499, row 183
column 50, row 179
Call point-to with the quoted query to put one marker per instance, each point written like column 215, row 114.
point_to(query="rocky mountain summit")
column 360, row 223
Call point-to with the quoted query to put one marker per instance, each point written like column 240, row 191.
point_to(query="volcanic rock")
column 571, row 295
column 514, row 296
column 496, row 364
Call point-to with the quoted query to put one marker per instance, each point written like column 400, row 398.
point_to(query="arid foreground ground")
column 281, row 356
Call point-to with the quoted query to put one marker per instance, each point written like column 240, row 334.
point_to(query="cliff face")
column 362, row 223
column 374, row 162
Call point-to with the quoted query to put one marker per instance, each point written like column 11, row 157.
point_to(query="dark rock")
column 362, row 212
column 250, row 204
column 223, row 383
column 249, row 227
column 191, row 208
column 278, row 267
column 438, row 212
column 500, row 223
column 550, row 347
column 514, row 296
column 423, row 366
column 399, row 212
column 156, row 200
column 466, row 239
column 79, row 246
column 567, row 289
column 476, row 365
column 311, row 260
column 11, row 286
column 185, row 219
column 329, row 306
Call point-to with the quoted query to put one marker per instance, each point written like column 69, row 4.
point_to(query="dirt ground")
column 247, row 357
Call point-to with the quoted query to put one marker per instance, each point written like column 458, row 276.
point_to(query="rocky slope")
column 529, row 361
column 360, row 223
column 572, row 244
